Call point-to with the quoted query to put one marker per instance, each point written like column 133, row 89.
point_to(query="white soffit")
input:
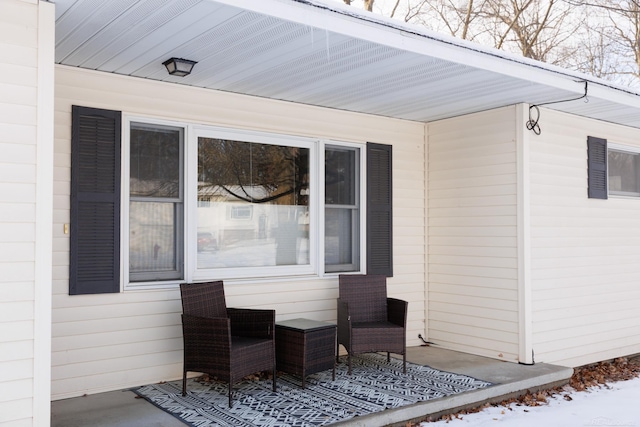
column 319, row 53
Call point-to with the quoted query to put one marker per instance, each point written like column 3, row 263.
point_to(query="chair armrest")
column 397, row 311
column 344, row 324
column 343, row 312
column 252, row 323
column 206, row 334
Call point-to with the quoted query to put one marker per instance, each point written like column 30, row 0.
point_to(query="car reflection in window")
column 206, row 242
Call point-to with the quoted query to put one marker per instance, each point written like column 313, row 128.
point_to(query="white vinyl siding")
column 585, row 255
column 473, row 303
column 111, row 341
column 25, row 211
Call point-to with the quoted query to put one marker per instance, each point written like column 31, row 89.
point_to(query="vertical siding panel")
column 585, row 252
column 473, row 252
column 98, row 338
column 26, row 55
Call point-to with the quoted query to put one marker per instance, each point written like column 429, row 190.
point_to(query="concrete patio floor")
column 123, row 409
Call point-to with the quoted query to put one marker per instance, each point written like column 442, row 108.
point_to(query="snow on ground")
column 614, row 405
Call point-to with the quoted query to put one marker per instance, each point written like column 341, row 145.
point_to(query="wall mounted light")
column 179, row 67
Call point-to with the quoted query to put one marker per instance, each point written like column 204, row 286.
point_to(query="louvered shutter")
column 597, row 167
column 95, row 201
column 379, row 210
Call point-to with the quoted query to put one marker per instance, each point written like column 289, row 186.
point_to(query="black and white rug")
column 375, row 385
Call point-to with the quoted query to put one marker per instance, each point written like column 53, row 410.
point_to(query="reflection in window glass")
column 341, row 224
column 339, row 235
column 257, row 210
column 340, row 178
column 241, row 212
column 152, row 237
column 624, row 170
column 155, row 162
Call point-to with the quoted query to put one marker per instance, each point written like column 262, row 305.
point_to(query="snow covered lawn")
column 616, row 404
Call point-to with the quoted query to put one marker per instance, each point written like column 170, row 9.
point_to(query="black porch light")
column 179, row 67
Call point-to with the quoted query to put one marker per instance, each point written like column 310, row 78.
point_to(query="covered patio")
column 509, row 266
column 124, row 408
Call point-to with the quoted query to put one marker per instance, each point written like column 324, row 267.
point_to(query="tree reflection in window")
column 236, row 166
column 274, row 179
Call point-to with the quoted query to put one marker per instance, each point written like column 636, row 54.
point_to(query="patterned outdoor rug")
column 374, row 386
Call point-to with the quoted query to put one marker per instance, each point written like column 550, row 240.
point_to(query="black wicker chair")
column 368, row 321
column 226, row 343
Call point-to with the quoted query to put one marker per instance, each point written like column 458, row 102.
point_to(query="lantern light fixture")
column 179, row 66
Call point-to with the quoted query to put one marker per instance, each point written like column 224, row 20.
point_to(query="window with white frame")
column 257, row 202
column 623, row 166
column 341, row 209
column 155, row 202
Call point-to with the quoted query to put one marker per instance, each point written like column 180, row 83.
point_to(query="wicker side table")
column 305, row 346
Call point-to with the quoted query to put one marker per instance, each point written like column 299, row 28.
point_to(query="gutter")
column 459, row 43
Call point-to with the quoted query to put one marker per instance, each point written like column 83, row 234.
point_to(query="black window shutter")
column 94, row 265
column 597, row 167
column 379, row 210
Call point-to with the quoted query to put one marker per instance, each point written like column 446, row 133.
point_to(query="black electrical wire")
column 533, row 125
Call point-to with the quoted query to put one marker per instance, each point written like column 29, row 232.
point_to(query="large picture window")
column 257, row 213
column 155, row 203
column 212, row 203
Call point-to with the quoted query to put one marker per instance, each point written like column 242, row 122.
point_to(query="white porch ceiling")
column 321, row 53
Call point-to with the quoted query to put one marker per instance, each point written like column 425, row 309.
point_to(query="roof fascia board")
column 613, row 94
column 433, row 45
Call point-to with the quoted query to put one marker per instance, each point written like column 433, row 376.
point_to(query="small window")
column 624, row 172
column 241, row 212
column 341, row 209
column 155, row 203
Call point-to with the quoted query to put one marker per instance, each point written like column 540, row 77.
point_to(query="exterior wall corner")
column 523, row 137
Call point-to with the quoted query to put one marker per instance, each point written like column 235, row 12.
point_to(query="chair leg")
column 230, row 405
column 349, row 357
column 274, row 378
column 388, row 357
column 184, row 383
column 404, row 362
